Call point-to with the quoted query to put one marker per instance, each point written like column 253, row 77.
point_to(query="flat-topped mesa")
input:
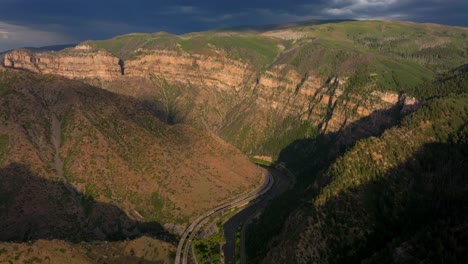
column 278, row 88
column 218, row 72
column 81, row 62
column 72, row 63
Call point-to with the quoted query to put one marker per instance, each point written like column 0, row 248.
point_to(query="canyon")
column 354, row 113
column 220, row 94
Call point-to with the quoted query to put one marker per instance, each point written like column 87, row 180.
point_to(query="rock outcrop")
column 212, row 87
column 219, row 72
column 77, row 63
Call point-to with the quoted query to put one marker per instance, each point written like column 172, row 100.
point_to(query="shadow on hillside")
column 416, row 212
column 32, row 207
column 306, row 158
column 86, row 89
column 310, row 156
column 150, row 101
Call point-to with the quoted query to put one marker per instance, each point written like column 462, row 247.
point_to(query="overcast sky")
column 51, row 22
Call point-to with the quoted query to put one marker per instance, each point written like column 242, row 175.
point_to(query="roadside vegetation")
column 208, row 250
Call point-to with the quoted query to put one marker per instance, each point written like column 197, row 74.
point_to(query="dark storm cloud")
column 46, row 22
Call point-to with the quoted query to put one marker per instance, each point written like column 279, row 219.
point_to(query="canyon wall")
column 227, row 96
column 71, row 64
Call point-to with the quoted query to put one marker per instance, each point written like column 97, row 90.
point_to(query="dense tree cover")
column 452, row 82
column 397, row 197
column 387, row 192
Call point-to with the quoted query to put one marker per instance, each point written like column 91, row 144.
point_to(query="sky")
column 35, row 23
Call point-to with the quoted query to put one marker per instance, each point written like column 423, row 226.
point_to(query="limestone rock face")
column 78, row 63
column 219, row 92
column 219, row 72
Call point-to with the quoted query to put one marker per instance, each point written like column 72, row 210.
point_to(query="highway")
column 281, row 183
column 185, row 242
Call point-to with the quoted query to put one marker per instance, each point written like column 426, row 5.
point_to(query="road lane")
column 192, row 230
column 281, row 184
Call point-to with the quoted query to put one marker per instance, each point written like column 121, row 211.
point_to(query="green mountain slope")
column 368, row 116
column 396, row 198
column 365, row 56
column 261, row 90
column 106, row 149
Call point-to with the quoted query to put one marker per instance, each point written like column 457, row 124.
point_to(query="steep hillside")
column 81, row 163
column 396, row 198
column 139, row 250
column 262, row 90
column 355, row 110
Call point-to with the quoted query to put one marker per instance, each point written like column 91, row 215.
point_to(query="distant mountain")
column 45, row 48
column 352, row 109
column 51, row 48
column 277, row 86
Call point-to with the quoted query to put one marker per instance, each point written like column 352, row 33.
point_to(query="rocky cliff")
column 314, row 99
column 71, row 64
column 247, row 105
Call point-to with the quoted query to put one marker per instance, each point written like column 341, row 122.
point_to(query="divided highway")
column 243, row 218
column 185, row 242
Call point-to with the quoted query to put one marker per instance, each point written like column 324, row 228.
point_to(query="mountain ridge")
column 352, row 109
column 301, row 79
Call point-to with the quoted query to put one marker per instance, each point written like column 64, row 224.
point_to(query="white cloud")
column 4, row 34
column 368, row 4
column 338, row 11
column 351, row 7
column 187, row 9
column 15, row 36
column 385, row 17
column 364, row 3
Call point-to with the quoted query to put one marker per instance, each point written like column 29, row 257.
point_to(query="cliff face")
column 199, row 70
column 366, row 213
column 72, row 64
column 283, row 94
column 216, row 92
column 82, row 63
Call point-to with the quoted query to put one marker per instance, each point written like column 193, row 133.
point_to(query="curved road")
column 281, row 184
column 189, row 233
